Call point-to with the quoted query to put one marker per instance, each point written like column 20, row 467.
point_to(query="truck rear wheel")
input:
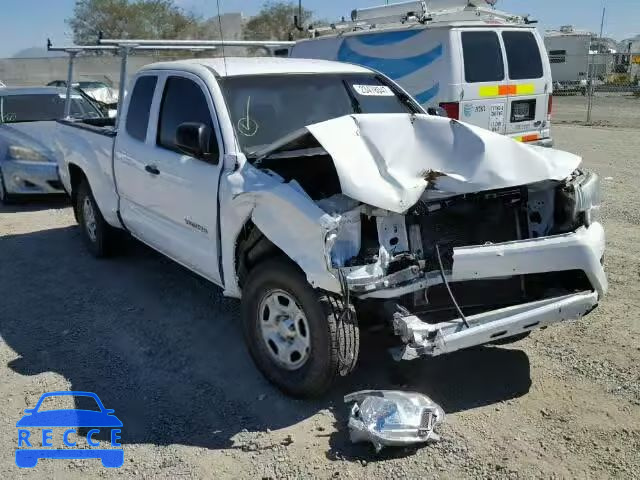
column 96, row 232
column 299, row 338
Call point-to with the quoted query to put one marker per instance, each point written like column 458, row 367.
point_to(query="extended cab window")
column 183, row 101
column 482, row 57
column 523, row 55
column 139, row 107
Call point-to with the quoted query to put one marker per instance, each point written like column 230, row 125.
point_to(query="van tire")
column 97, row 234
column 333, row 333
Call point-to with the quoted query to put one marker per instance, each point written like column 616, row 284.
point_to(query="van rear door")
column 528, row 96
column 485, row 86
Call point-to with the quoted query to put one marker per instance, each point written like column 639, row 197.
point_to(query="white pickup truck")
column 321, row 194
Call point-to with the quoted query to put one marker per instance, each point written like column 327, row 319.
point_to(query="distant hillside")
column 37, row 52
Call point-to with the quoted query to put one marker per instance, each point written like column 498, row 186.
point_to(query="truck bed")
column 102, row 126
column 88, row 145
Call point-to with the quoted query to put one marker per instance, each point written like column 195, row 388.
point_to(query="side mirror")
column 437, row 111
column 194, row 139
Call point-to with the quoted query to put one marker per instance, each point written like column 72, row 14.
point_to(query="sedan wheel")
column 4, row 196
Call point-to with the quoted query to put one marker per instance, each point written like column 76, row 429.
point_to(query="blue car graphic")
column 28, row 457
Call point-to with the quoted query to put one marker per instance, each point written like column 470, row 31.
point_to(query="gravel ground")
column 609, row 110
column 164, row 349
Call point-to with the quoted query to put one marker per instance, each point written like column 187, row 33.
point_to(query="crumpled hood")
column 102, row 94
column 389, row 160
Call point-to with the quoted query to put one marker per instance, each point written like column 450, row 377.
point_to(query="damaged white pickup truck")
column 318, row 192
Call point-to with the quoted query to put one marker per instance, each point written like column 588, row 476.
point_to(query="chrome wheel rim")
column 284, row 329
column 89, row 216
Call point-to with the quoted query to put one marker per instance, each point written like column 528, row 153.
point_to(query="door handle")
column 152, row 169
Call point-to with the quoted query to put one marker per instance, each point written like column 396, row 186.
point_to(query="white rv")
column 483, row 66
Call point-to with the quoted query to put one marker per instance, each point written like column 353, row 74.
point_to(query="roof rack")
column 419, row 13
column 125, row 46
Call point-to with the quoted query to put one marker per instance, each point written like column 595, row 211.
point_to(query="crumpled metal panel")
column 393, row 418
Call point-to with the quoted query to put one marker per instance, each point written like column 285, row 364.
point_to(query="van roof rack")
column 419, row 12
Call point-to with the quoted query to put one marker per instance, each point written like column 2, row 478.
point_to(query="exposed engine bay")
column 447, row 259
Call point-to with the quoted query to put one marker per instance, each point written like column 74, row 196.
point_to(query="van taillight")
column 550, row 108
column 452, row 109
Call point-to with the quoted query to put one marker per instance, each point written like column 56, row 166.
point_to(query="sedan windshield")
column 265, row 108
column 42, row 107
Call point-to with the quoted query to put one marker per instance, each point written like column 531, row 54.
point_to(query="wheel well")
column 76, row 175
column 253, row 247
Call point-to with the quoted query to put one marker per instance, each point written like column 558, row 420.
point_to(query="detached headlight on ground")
column 26, row 154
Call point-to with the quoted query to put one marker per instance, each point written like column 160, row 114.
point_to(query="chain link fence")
column 597, row 89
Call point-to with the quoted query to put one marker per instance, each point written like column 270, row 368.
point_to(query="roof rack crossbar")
column 179, row 43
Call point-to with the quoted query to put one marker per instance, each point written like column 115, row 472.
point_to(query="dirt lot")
column 163, row 348
column 609, row 109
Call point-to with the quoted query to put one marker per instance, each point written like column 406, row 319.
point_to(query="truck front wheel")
column 299, row 338
column 96, row 232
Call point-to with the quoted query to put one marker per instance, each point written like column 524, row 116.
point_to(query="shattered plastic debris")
column 393, row 418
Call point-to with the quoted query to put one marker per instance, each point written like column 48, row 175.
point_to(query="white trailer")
column 568, row 51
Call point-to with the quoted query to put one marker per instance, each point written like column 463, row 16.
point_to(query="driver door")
column 177, row 211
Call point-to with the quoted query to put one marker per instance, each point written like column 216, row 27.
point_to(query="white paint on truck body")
column 193, row 211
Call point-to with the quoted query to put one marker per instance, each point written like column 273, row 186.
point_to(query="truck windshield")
column 265, row 108
column 42, row 107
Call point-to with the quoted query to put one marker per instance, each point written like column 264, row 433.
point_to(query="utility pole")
column 593, row 67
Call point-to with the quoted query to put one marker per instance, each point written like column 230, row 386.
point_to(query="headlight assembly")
column 26, row 154
column 578, row 201
column 587, row 194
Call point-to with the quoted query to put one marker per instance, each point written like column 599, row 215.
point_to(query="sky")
column 28, row 23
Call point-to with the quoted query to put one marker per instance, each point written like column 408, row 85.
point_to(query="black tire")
column 5, row 198
column 101, row 243
column 334, row 336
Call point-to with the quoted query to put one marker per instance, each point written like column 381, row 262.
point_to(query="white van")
column 484, row 67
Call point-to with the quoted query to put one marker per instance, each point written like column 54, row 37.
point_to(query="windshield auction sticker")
column 373, row 90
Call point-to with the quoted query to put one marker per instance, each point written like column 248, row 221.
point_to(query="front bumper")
column 581, row 250
column 423, row 339
column 26, row 178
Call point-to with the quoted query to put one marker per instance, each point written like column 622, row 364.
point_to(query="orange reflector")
column 505, row 90
column 527, row 138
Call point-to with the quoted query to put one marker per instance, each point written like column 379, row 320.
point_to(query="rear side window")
column 523, row 55
column 139, row 107
column 482, row 57
column 183, row 101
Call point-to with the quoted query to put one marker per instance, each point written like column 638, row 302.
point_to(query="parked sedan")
column 100, row 92
column 27, row 162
